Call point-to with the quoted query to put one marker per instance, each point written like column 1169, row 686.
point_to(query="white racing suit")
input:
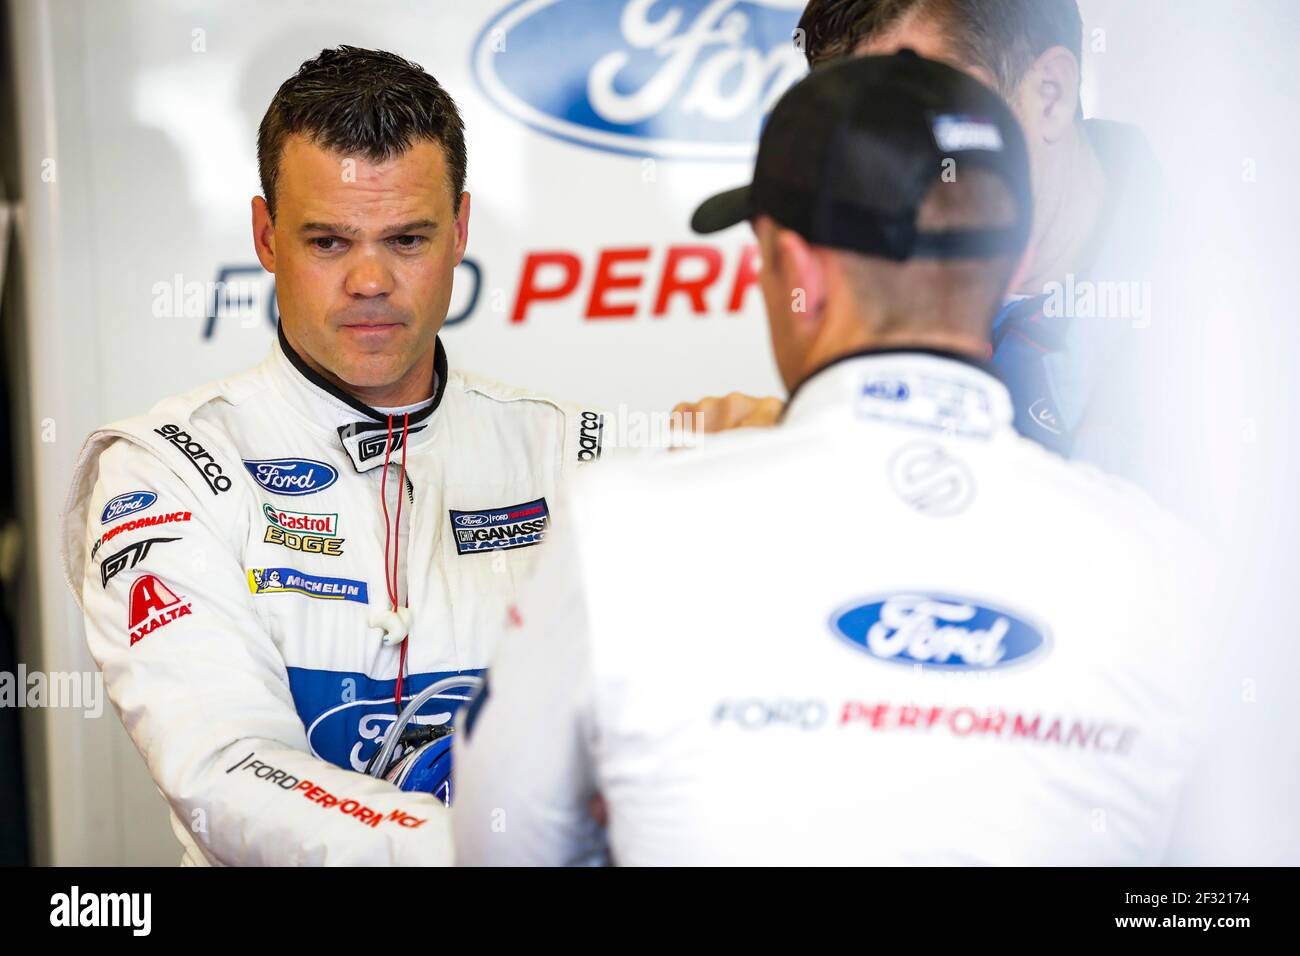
column 891, row 631
column 229, row 551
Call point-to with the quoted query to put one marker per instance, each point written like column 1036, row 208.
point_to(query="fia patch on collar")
column 499, row 529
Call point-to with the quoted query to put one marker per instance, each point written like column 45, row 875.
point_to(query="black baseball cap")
column 850, row 152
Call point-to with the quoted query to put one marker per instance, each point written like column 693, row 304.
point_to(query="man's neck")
column 1067, row 210
column 415, row 386
column 970, row 346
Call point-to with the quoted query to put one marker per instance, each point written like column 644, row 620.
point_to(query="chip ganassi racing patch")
column 498, row 529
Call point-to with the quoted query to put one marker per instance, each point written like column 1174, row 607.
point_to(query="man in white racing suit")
column 934, row 642
column 273, row 565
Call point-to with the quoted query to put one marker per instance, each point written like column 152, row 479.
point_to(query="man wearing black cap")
column 932, row 641
column 1071, row 341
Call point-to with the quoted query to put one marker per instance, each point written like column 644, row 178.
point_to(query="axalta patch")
column 499, row 529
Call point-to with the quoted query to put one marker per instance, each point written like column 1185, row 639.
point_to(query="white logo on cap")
column 957, row 133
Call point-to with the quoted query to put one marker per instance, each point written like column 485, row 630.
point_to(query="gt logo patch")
column 499, row 529
column 128, row 557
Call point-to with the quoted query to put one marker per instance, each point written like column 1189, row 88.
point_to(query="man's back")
column 931, row 641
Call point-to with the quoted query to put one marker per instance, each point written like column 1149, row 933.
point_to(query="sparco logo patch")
column 497, row 529
column 292, row 476
column 153, row 605
column 929, row 630
column 590, row 435
column 198, row 456
column 127, row 504
column 931, row 480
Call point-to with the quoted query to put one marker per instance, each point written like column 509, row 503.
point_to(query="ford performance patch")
column 497, row 529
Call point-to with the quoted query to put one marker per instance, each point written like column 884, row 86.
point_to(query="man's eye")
column 408, row 242
column 326, row 243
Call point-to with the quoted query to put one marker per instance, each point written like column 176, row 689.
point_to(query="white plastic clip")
column 396, row 625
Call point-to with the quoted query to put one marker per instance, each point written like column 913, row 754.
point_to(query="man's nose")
column 368, row 278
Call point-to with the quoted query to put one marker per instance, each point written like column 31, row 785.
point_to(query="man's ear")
column 1049, row 94
column 801, row 272
column 462, row 227
column 263, row 234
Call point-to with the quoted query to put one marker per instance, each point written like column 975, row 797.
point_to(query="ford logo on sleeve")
column 292, row 476
column 934, row 631
column 672, row 78
column 127, row 504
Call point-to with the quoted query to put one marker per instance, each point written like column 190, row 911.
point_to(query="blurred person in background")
column 1069, row 340
column 934, row 641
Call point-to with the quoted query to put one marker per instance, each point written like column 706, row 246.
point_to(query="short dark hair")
column 368, row 102
column 1002, row 36
column 954, row 293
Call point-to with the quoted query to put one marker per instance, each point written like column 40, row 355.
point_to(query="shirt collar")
column 928, row 389
column 362, row 431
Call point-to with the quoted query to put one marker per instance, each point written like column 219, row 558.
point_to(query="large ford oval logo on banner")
column 292, row 476
column 938, row 631
column 688, row 79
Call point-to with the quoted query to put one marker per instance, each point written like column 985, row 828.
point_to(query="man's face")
column 363, row 255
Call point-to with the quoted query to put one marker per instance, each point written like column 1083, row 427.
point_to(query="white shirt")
column 890, row 632
column 230, row 548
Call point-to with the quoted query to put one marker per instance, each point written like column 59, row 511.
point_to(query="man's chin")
column 369, row 375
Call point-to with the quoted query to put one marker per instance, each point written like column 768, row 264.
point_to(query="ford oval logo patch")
column 689, row 79
column 127, row 504
column 938, row 631
column 292, row 476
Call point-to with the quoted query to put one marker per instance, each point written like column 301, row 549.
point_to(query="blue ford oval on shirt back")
column 938, row 631
column 292, row 476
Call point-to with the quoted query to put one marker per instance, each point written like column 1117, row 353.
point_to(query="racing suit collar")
column 363, row 431
column 925, row 388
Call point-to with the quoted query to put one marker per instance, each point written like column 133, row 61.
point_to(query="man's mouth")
column 370, row 326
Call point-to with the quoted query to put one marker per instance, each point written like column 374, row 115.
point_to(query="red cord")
column 383, row 500
column 392, row 534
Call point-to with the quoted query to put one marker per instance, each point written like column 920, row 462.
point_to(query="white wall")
column 149, row 112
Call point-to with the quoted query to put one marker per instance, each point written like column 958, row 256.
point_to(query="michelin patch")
column 499, row 529
column 293, row 581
